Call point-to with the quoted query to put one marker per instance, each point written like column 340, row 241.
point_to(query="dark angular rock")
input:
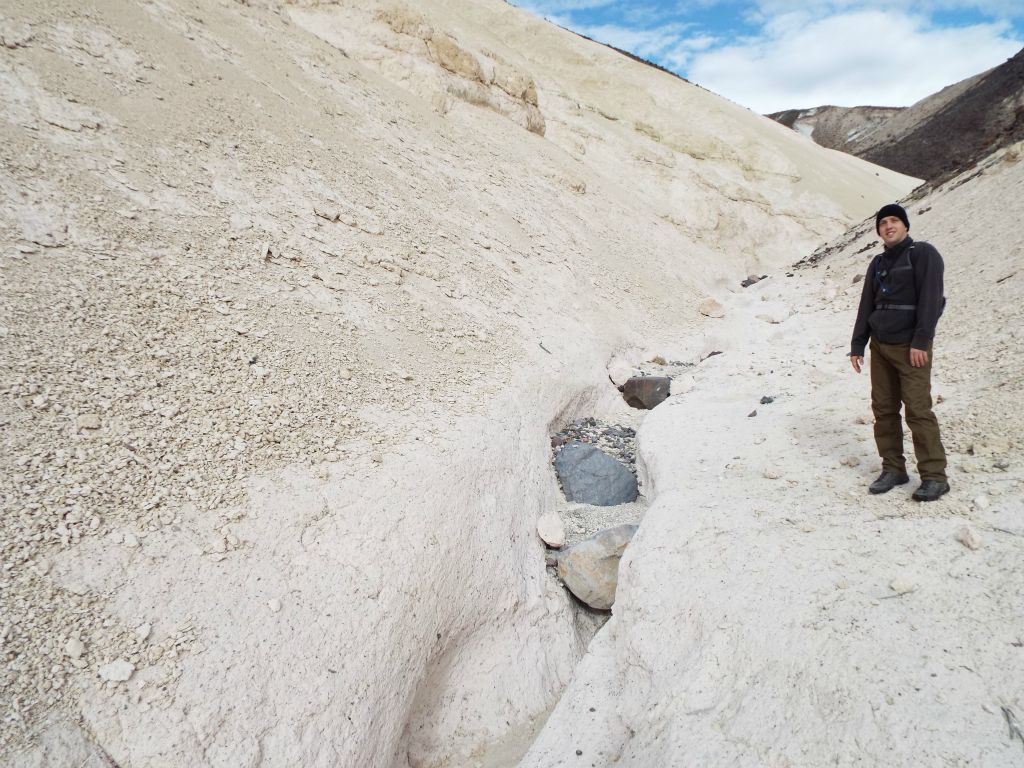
column 591, row 476
column 646, row 391
column 751, row 279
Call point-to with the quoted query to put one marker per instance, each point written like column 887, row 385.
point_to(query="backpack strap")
column 913, row 266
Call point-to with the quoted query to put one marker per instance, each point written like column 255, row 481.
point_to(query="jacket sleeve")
column 861, row 329
column 928, row 282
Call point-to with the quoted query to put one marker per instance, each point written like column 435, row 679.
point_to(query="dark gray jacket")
column 902, row 297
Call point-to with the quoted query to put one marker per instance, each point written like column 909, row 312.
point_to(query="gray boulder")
column 591, row 476
column 590, row 569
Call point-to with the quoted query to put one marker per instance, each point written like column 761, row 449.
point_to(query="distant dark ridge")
column 841, row 128
column 984, row 118
column 789, row 116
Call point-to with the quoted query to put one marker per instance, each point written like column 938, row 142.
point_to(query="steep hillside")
column 935, row 138
column 836, row 127
column 291, row 299
column 954, row 129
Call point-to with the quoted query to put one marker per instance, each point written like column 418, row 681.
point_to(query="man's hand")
column 858, row 360
column 918, row 358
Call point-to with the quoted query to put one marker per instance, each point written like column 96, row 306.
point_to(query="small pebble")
column 551, row 530
column 968, row 538
column 117, row 671
column 88, row 421
column 902, row 586
column 74, row 648
column 274, row 604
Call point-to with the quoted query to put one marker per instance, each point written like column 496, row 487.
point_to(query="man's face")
column 892, row 230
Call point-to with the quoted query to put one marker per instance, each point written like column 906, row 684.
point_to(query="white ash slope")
column 720, row 174
column 282, row 345
column 769, row 611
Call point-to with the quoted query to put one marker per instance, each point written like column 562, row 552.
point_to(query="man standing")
column 899, row 309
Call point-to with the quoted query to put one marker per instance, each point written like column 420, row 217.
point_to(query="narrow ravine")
column 614, row 433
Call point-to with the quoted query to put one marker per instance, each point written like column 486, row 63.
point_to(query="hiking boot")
column 889, row 480
column 930, row 490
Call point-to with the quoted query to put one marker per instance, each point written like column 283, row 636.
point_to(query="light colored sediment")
column 769, row 611
column 284, row 337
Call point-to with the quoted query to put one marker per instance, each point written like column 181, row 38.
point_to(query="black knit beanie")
column 891, row 210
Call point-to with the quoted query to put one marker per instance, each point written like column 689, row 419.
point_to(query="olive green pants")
column 895, row 380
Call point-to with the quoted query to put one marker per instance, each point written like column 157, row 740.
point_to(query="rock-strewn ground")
column 285, row 317
column 616, row 440
column 771, row 612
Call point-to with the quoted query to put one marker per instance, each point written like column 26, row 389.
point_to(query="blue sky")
column 771, row 55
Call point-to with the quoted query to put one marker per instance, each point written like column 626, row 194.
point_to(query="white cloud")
column 678, row 58
column 876, row 57
column 805, row 52
column 993, row 8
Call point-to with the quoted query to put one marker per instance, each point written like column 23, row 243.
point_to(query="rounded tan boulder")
column 590, row 569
